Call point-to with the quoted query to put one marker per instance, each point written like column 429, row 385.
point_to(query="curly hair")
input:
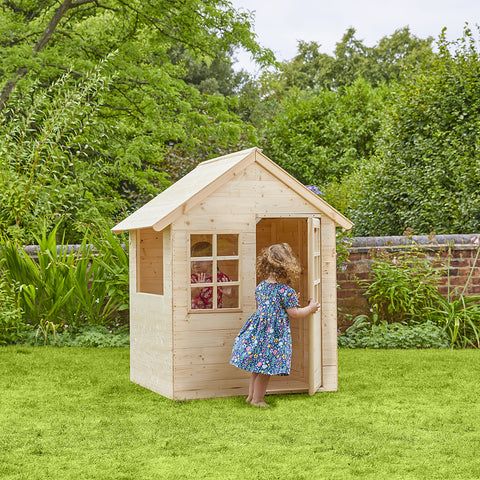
column 279, row 262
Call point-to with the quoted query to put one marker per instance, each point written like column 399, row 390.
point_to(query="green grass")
column 72, row 413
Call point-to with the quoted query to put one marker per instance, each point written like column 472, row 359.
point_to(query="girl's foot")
column 248, row 400
column 260, row 404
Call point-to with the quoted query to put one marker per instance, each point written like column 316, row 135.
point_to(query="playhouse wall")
column 203, row 341
column 151, row 339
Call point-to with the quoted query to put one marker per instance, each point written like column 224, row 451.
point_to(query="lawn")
column 71, row 413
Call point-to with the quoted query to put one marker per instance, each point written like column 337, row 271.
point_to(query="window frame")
column 215, row 258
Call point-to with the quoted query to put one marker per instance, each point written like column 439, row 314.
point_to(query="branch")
column 40, row 45
column 161, row 30
column 79, row 3
column 52, row 25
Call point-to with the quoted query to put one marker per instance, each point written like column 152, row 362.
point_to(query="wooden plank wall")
column 151, row 340
column 203, row 341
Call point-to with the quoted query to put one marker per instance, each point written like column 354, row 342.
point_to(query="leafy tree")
column 425, row 174
column 153, row 110
column 382, row 63
column 321, row 136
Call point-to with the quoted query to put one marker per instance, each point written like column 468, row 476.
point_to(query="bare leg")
column 259, row 389
column 251, row 387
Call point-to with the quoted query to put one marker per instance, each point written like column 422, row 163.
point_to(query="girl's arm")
column 300, row 312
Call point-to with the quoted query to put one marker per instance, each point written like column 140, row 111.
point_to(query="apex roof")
column 190, row 190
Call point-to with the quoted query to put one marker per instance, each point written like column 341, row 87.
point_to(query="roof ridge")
column 241, row 152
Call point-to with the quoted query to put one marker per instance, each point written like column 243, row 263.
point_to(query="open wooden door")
column 315, row 320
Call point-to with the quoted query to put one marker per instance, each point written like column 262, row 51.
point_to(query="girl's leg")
column 259, row 389
column 251, row 387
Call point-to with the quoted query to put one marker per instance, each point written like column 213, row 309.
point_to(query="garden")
column 102, row 108
column 406, row 406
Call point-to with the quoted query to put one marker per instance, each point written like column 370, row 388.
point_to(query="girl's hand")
column 200, row 278
column 300, row 312
column 313, row 305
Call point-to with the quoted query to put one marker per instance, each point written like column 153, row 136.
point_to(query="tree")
column 322, row 136
column 150, row 112
column 382, row 63
column 425, row 174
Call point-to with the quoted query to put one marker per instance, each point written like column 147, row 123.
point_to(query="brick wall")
column 351, row 298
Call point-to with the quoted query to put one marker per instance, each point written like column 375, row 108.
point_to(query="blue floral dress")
column 264, row 344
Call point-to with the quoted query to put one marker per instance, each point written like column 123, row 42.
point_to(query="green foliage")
column 369, row 332
column 425, row 173
column 11, row 322
column 99, row 336
column 403, row 289
column 458, row 313
column 322, row 136
column 383, row 63
column 156, row 102
column 66, row 288
column 459, row 316
column 45, row 171
column 403, row 285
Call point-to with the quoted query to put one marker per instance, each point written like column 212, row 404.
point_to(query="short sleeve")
column 288, row 297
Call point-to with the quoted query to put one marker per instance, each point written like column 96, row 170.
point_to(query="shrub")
column 90, row 336
column 11, row 323
column 404, row 289
column 66, row 287
column 404, row 285
column 379, row 334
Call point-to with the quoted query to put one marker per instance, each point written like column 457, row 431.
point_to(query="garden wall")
column 351, row 298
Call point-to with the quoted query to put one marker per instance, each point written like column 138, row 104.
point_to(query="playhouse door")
column 315, row 292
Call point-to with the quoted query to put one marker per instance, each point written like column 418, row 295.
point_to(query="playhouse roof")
column 187, row 192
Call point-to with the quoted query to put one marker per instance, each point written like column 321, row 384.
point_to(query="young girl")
column 264, row 344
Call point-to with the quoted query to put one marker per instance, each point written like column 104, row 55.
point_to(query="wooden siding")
column 151, row 339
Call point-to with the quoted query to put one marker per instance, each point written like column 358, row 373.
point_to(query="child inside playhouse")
column 202, row 297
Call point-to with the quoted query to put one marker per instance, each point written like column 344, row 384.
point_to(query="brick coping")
column 399, row 242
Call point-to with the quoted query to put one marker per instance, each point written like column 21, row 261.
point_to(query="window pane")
column 229, row 297
column 227, row 245
column 228, row 268
column 201, row 245
column 202, row 298
column 201, row 271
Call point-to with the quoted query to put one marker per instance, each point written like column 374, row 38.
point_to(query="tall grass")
column 42, row 146
column 64, row 288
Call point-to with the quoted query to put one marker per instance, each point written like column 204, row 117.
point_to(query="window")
column 214, row 253
column 150, row 261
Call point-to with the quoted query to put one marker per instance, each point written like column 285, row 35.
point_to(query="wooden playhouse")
column 237, row 204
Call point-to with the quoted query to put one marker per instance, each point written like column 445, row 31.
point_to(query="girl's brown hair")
column 279, row 262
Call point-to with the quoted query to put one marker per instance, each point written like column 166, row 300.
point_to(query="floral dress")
column 264, row 344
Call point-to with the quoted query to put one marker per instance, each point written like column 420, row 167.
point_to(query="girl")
column 202, row 273
column 264, row 344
